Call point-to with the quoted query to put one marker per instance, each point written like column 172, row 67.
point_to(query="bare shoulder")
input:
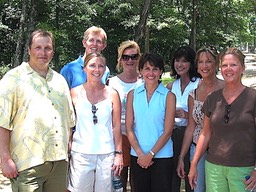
column 169, row 85
column 112, row 90
column 113, row 94
column 171, row 95
column 74, row 91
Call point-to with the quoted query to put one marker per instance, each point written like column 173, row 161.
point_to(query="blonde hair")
column 233, row 51
column 123, row 46
column 95, row 30
column 90, row 56
column 212, row 51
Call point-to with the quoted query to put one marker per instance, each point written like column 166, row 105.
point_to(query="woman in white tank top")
column 97, row 142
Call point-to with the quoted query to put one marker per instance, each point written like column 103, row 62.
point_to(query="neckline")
column 234, row 100
column 86, row 98
column 122, row 79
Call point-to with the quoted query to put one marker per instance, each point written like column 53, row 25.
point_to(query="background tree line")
column 158, row 26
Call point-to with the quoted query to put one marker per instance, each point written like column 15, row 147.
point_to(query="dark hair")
column 40, row 33
column 189, row 54
column 153, row 59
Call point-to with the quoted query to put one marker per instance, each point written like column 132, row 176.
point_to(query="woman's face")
column 150, row 73
column 231, row 69
column 95, row 68
column 206, row 65
column 181, row 66
column 130, row 59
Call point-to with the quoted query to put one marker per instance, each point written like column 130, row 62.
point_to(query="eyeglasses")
column 226, row 116
column 132, row 57
column 94, row 117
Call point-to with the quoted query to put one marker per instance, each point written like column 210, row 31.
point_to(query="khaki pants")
column 48, row 177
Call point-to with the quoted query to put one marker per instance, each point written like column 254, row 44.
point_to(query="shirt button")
column 56, row 145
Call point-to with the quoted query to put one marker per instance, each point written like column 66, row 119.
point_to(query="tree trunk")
column 20, row 41
column 254, row 32
column 140, row 31
column 194, row 24
column 146, row 39
column 31, row 27
column 56, row 57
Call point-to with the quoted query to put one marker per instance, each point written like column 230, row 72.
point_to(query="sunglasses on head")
column 132, row 57
column 226, row 116
column 94, row 117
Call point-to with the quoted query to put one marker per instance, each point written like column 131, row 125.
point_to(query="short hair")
column 40, row 33
column 123, row 46
column 153, row 59
column 90, row 56
column 95, row 30
column 189, row 54
column 233, row 51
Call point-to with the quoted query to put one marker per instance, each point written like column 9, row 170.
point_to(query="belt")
column 179, row 127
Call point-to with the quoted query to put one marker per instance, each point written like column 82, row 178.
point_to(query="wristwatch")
column 119, row 152
column 152, row 153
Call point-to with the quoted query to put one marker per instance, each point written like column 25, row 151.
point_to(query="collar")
column 160, row 89
column 29, row 70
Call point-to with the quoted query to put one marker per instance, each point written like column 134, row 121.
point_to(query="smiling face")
column 181, row 66
column 129, row 60
column 95, row 66
column 206, row 65
column 150, row 73
column 231, row 68
column 94, row 42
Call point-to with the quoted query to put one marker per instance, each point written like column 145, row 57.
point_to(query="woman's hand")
column 180, row 168
column 118, row 164
column 180, row 113
column 145, row 160
column 250, row 182
column 192, row 176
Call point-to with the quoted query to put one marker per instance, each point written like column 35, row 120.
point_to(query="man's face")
column 41, row 52
column 94, row 43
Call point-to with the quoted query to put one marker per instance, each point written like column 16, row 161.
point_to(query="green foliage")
column 166, row 80
column 4, row 69
column 220, row 22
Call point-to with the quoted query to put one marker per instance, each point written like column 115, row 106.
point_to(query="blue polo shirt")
column 74, row 74
column 149, row 120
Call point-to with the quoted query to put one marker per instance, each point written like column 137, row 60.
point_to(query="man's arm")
column 8, row 166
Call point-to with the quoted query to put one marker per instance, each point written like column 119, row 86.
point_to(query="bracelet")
column 180, row 157
column 152, row 153
column 119, row 152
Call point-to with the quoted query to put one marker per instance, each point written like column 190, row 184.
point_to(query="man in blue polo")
column 95, row 40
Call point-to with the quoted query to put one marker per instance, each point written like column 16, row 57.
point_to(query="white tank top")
column 90, row 138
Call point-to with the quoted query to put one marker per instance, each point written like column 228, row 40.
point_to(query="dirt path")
column 4, row 183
